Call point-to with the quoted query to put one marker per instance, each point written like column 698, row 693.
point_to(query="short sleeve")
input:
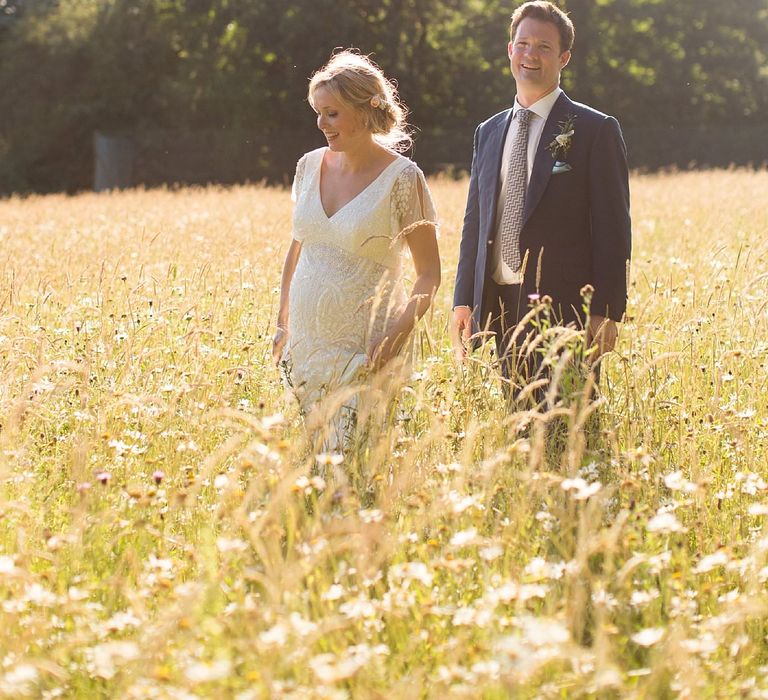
column 412, row 202
column 296, row 191
column 298, row 179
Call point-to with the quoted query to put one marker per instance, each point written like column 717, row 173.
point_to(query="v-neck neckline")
column 357, row 196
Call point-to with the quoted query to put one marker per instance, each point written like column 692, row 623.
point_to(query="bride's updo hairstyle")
column 356, row 81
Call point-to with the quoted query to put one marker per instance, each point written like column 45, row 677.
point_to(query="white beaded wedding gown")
column 348, row 283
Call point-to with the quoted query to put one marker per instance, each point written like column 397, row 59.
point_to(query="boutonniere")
column 561, row 144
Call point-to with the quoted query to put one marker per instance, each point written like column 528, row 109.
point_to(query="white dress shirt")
column 501, row 273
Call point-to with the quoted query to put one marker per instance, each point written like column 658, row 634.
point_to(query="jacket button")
column 490, row 241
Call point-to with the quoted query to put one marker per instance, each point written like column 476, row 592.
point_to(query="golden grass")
column 166, row 532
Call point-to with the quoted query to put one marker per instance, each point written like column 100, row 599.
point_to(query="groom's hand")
column 461, row 330
column 602, row 333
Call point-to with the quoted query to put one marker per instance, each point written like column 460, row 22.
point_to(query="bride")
column 359, row 207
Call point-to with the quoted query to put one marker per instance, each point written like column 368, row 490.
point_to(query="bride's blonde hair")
column 355, row 80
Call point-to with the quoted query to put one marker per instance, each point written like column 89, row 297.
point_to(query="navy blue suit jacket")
column 576, row 225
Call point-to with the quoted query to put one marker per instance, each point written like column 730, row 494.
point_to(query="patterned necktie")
column 514, row 197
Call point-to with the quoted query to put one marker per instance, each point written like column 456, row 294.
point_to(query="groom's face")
column 535, row 56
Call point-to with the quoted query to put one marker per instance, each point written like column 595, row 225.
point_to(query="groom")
column 548, row 205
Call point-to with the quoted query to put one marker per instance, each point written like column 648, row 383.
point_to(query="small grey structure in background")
column 113, row 166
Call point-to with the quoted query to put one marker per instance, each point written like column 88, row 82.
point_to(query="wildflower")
column 538, row 569
column 224, row 545
column 19, row 681
column 605, row 599
column 712, row 561
column 121, row 621
column 705, row 644
column 639, row 598
column 506, row 592
column 275, row 636
column 105, row 659
column 271, row 421
column 301, row 626
column 529, row 591
column 158, row 477
column 491, row 552
column 542, row 631
column 676, row 482
column 7, row 565
column 329, row 669
column 334, row 592
column 188, row 446
column 38, row 595
column 205, row 673
column 360, row 607
column 489, row 669
column 373, row 515
column 472, row 617
column 465, row 538
column 43, row 386
column 648, row 637
column 582, row 490
column 460, row 503
column 751, row 483
column 448, row 468
column 76, row 593
column 302, row 485
column 329, row 459
column 103, row 477
column 665, row 523
column 411, row 571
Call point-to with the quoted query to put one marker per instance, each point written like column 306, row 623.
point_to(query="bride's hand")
column 278, row 343
column 380, row 352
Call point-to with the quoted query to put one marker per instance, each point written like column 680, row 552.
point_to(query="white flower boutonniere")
column 561, row 144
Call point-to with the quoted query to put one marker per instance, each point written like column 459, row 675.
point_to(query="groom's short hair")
column 545, row 12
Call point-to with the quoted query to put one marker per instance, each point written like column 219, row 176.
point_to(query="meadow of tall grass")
column 167, row 530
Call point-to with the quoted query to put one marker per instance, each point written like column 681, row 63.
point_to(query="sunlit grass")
column 167, row 531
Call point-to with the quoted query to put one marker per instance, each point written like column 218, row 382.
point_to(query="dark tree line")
column 72, row 67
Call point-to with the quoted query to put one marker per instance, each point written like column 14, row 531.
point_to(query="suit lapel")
column 495, row 151
column 542, row 164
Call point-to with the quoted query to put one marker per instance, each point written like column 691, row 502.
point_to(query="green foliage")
column 70, row 68
column 691, row 62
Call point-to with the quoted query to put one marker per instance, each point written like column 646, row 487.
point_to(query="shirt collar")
column 541, row 108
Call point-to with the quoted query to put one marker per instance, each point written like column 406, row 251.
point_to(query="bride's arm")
column 422, row 241
column 289, row 267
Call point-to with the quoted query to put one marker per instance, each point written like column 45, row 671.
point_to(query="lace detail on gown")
column 412, row 203
column 348, row 281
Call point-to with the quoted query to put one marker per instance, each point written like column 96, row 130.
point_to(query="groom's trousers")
column 519, row 346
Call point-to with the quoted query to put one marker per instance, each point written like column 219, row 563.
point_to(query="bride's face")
column 342, row 125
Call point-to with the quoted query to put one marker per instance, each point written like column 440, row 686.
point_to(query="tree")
column 70, row 67
column 690, row 62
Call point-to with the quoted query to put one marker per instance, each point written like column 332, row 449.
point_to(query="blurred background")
column 119, row 93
